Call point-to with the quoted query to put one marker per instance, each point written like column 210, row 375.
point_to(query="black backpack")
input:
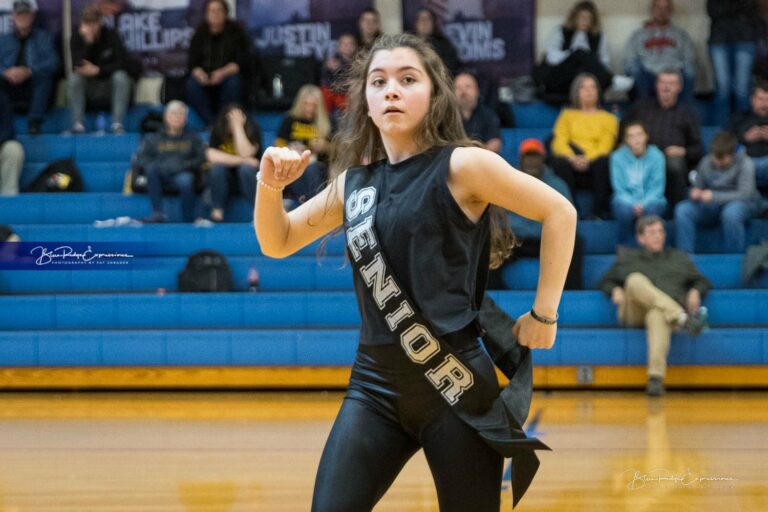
column 58, row 176
column 206, row 271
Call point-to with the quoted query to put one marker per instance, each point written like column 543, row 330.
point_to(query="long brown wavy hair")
column 358, row 139
column 591, row 8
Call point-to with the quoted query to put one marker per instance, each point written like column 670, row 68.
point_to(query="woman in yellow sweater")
column 584, row 137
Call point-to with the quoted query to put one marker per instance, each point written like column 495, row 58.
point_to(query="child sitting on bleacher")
column 637, row 179
column 723, row 193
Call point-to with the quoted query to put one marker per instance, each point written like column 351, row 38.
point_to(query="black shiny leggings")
column 391, row 411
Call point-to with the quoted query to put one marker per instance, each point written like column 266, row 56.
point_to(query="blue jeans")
column 732, row 216
column 624, row 214
column 36, row 90
column 761, row 170
column 207, row 100
column 645, row 82
column 310, row 183
column 222, row 179
column 182, row 182
column 732, row 63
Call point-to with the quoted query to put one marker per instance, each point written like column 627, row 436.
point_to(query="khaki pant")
column 11, row 162
column 647, row 306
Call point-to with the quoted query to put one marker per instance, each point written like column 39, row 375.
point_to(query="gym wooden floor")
column 222, row 452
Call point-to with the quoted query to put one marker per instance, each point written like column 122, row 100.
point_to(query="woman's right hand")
column 236, row 117
column 282, row 166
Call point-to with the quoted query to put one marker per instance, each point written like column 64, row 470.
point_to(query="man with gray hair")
column 659, row 289
column 171, row 159
column 673, row 127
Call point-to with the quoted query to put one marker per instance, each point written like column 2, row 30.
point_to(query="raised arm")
column 479, row 177
column 282, row 233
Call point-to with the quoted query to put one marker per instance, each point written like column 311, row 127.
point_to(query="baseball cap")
column 20, row 6
column 532, row 146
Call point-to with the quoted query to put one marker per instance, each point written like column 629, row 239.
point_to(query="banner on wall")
column 492, row 37
column 49, row 16
column 157, row 32
column 299, row 28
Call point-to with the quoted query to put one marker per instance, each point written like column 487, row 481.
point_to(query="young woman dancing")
column 421, row 229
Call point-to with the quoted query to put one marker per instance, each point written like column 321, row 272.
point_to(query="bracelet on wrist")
column 544, row 319
column 266, row 185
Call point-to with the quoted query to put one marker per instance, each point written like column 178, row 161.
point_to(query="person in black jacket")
column 218, row 54
column 101, row 67
column 427, row 26
column 751, row 129
column 577, row 46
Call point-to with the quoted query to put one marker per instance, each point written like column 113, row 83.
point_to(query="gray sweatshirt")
column 737, row 182
column 660, row 47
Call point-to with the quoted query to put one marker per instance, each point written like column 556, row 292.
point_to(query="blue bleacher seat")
column 536, row 114
column 306, row 347
column 304, row 309
column 305, row 312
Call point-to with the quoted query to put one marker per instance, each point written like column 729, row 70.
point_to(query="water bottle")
column 253, row 279
column 277, row 87
column 101, row 124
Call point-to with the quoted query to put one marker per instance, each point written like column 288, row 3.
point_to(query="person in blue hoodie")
column 638, row 178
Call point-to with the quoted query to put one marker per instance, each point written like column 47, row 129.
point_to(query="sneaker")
column 698, row 322
column 655, row 386
column 77, row 128
column 118, row 129
column 622, row 83
column 200, row 222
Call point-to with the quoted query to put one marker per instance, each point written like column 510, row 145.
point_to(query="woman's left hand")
column 534, row 334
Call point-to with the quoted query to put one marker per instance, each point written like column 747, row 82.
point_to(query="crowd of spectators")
column 641, row 161
column 644, row 158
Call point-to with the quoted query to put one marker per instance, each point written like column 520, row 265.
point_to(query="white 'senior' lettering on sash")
column 449, row 377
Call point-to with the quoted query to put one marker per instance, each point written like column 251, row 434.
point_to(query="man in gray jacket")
column 723, row 192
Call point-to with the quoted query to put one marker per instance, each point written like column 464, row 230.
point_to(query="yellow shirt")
column 594, row 132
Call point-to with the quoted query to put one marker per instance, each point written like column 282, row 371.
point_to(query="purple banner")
column 49, row 16
column 157, row 32
column 493, row 37
column 299, row 28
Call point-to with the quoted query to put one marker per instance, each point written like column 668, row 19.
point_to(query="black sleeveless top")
column 438, row 254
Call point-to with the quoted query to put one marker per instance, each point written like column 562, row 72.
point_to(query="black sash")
column 499, row 425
